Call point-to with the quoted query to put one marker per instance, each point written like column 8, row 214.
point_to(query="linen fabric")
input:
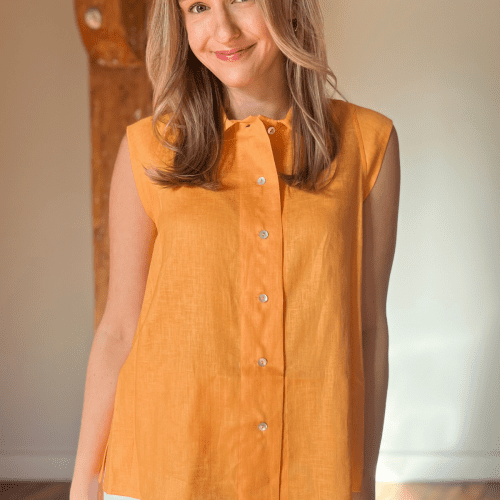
column 245, row 376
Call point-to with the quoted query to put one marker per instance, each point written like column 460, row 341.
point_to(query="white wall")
column 46, row 256
column 433, row 67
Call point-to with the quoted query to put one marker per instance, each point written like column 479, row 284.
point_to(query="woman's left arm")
column 380, row 216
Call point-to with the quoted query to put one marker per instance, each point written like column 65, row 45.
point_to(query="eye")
column 194, row 6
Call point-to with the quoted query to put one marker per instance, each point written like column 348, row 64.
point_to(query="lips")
column 228, row 53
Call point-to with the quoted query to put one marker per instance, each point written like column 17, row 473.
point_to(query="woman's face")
column 221, row 25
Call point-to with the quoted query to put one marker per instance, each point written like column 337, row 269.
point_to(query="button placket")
column 261, row 329
column 263, row 297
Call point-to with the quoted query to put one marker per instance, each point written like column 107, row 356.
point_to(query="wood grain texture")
column 120, row 94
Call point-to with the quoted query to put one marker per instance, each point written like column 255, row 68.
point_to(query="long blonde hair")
column 193, row 96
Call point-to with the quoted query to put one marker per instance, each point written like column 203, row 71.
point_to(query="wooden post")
column 114, row 34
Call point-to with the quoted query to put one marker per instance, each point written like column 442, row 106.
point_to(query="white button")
column 262, row 426
column 271, row 130
column 262, row 361
column 263, row 234
column 261, row 180
column 263, row 297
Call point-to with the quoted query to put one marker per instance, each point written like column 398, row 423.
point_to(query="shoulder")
column 374, row 128
column 145, row 125
column 140, row 134
column 142, row 138
column 362, row 118
column 371, row 123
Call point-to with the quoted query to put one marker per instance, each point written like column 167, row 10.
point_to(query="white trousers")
column 107, row 496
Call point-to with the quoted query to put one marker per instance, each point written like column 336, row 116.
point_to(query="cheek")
column 199, row 47
column 196, row 39
column 261, row 28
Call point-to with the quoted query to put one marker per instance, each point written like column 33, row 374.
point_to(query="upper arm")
column 380, row 216
column 131, row 238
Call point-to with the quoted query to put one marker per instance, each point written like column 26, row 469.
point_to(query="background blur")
column 433, row 67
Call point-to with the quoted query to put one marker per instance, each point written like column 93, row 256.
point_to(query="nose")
column 226, row 27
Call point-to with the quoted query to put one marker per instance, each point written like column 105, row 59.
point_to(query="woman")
column 244, row 344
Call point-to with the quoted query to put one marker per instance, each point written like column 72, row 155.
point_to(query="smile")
column 236, row 56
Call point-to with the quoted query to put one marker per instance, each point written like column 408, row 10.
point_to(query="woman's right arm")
column 131, row 239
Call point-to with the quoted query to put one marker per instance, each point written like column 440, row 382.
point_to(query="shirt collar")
column 287, row 121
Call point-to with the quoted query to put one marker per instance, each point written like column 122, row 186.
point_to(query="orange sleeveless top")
column 245, row 376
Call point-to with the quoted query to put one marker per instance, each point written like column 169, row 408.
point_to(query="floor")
column 31, row 490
